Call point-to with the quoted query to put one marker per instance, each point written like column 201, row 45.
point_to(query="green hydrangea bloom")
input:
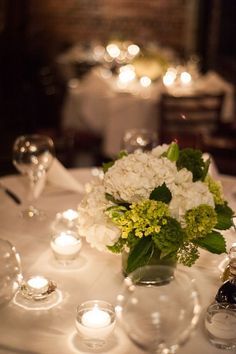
column 188, row 254
column 200, row 221
column 215, row 188
column 170, row 238
column 143, row 218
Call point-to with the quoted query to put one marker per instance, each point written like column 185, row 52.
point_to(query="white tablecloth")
column 95, row 276
column 98, row 104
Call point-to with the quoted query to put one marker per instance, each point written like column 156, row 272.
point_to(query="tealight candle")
column 37, row 284
column 95, row 321
column 96, row 318
column 185, row 78
column 66, row 220
column 66, row 245
column 70, row 214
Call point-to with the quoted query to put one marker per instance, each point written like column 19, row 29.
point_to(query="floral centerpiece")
column 161, row 203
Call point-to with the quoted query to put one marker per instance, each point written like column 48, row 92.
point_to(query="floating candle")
column 37, row 284
column 96, row 318
column 66, row 245
column 95, row 321
column 70, row 214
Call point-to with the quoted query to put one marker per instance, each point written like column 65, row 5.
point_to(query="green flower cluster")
column 216, row 189
column 143, row 218
column 200, row 221
column 188, row 254
column 170, row 238
column 148, row 229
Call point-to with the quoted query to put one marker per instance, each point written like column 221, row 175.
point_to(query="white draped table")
column 94, row 275
column 97, row 103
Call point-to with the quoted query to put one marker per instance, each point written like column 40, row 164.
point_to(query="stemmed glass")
column 139, row 139
column 33, row 156
column 158, row 308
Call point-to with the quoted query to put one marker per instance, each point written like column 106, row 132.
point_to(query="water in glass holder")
column 158, row 308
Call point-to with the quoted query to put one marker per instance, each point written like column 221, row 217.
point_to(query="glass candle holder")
column 66, row 220
column 95, row 321
column 37, row 287
column 220, row 324
column 66, row 246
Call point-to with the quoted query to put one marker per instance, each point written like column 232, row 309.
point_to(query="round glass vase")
column 155, row 259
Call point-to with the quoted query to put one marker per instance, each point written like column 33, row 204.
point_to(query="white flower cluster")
column 93, row 223
column 132, row 179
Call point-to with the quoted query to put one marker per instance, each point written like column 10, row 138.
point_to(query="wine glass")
column 139, row 139
column 158, row 316
column 10, row 272
column 33, row 156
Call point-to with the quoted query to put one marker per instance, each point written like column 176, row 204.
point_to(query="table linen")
column 94, row 275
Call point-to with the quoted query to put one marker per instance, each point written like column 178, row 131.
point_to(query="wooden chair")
column 187, row 118
column 221, row 144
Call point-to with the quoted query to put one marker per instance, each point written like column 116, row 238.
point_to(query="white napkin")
column 60, row 177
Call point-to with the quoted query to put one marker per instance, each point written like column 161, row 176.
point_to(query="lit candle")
column 145, row 81
column 113, row 50
column 70, row 214
column 37, row 284
column 126, row 75
column 133, row 49
column 66, row 245
column 169, row 77
column 185, row 78
column 66, row 220
column 95, row 319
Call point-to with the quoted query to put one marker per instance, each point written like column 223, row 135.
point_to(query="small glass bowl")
column 220, row 325
column 95, row 322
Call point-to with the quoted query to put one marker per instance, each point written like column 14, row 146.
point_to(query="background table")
column 94, row 276
column 98, row 104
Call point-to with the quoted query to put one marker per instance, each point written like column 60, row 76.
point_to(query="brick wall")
column 56, row 23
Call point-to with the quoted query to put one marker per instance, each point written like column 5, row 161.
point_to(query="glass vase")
column 155, row 259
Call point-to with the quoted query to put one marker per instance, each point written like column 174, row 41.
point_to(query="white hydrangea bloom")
column 93, row 223
column 133, row 177
column 188, row 196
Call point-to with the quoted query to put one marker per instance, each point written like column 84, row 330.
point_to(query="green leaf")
column 116, row 201
column 213, row 242
column 205, row 169
column 192, row 160
column 173, row 152
column 140, row 254
column 224, row 217
column 161, row 193
column 122, row 154
column 107, row 165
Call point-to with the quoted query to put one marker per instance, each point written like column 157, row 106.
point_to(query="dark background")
column 34, row 32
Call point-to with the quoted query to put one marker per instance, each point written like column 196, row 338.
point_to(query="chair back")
column 188, row 118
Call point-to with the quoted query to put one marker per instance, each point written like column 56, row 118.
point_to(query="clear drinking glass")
column 33, row 156
column 139, row 139
column 10, row 271
column 158, row 316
